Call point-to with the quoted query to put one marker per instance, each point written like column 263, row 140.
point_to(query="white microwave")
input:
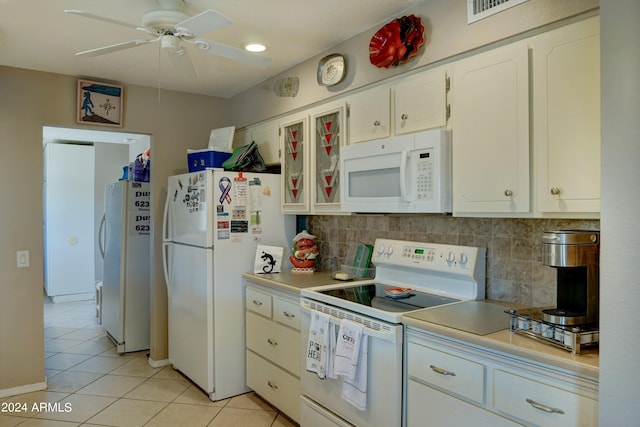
column 403, row 174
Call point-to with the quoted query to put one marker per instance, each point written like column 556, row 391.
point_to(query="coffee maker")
column 575, row 254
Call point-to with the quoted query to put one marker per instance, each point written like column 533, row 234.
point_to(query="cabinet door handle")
column 272, row 342
column 258, row 303
column 289, row 315
column 272, row 385
column 555, row 191
column 544, row 408
column 376, row 122
column 441, row 371
column 508, row 192
column 404, row 117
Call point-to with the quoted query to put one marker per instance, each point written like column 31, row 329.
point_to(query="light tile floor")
column 90, row 384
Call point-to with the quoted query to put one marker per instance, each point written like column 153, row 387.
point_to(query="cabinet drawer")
column 275, row 385
column 540, row 404
column 287, row 313
column 446, row 371
column 258, row 302
column 274, row 342
column 425, row 403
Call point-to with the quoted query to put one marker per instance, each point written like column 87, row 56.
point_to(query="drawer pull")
column 289, row 315
column 273, row 343
column 441, row 371
column 258, row 303
column 544, row 408
column 272, row 386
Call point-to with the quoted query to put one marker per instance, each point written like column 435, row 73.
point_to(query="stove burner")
column 373, row 295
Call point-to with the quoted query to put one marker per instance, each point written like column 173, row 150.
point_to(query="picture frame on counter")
column 268, row 259
column 100, row 104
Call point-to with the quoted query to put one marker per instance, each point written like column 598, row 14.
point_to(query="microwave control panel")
column 422, row 174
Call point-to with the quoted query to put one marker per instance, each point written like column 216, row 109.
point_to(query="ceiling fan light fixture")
column 255, row 47
column 170, row 43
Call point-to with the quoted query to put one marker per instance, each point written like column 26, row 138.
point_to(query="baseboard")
column 23, row 389
column 158, row 363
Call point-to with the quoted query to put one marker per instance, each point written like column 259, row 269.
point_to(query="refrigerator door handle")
column 165, row 267
column 165, row 222
column 102, row 235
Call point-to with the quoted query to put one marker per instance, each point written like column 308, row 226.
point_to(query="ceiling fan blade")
column 101, row 18
column 232, row 53
column 203, row 23
column 114, row 47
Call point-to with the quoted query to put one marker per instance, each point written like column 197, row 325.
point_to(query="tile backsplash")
column 514, row 269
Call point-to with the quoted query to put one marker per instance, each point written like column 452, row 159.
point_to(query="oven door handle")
column 389, row 335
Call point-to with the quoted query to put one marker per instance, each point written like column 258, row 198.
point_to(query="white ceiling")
column 39, row 35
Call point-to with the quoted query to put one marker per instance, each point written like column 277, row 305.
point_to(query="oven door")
column 321, row 399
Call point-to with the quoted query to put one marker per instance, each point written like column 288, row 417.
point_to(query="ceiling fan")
column 174, row 29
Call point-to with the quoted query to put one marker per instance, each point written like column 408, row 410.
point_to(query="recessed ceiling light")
column 255, row 47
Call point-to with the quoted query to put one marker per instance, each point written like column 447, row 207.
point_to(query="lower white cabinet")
column 455, row 384
column 273, row 347
column 441, row 409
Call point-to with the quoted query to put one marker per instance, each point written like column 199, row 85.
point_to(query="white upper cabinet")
column 420, row 102
column 369, row 114
column 490, row 122
column 566, row 118
column 266, row 136
column 409, row 104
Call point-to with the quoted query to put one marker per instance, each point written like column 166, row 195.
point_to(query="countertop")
column 482, row 323
column 291, row 281
column 479, row 323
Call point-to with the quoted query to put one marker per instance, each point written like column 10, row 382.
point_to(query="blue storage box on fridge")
column 207, row 158
column 217, row 152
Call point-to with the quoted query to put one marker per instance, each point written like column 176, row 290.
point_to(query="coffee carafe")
column 575, row 254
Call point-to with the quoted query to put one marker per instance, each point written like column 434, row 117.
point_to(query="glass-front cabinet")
column 295, row 160
column 328, row 139
column 310, row 145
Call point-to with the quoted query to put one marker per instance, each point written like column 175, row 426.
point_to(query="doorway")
column 109, row 153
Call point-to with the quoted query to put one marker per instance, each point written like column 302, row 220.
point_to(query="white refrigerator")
column 125, row 237
column 213, row 222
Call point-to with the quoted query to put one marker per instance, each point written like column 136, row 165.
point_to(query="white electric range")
column 435, row 275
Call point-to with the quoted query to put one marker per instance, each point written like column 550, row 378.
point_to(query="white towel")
column 347, row 349
column 317, row 348
column 355, row 392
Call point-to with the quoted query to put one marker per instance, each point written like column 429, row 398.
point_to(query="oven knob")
column 451, row 258
column 463, row 258
column 380, row 250
column 390, row 250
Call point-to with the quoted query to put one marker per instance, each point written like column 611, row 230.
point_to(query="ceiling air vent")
column 480, row 9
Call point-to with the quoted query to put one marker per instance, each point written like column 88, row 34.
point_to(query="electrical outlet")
column 22, row 259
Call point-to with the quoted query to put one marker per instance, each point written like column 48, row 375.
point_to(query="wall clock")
column 331, row 69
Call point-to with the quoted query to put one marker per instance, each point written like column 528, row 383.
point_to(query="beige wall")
column 29, row 100
column 447, row 35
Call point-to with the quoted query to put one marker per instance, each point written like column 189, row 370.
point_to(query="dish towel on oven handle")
column 317, row 347
column 355, row 392
column 351, row 354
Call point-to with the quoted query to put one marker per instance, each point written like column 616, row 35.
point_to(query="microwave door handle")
column 404, row 160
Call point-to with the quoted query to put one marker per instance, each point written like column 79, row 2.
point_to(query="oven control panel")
column 427, row 256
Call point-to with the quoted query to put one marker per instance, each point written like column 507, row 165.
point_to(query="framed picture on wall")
column 99, row 103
